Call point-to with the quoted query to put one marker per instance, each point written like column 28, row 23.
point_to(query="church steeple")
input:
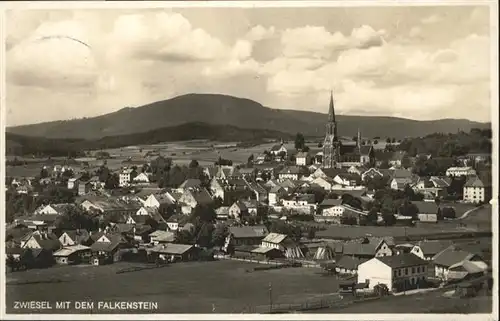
column 331, row 144
column 331, row 111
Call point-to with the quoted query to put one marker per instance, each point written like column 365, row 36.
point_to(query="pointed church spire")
column 331, row 111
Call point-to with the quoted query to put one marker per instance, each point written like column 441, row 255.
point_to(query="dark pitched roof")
column 402, row 260
column 332, row 172
column 474, row 182
column 47, row 241
column 431, row 248
column 451, row 255
column 248, row 231
column 190, row 183
column 330, row 202
column 426, row 207
column 350, row 262
column 78, row 236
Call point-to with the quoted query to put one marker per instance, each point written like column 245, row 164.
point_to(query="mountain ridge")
column 244, row 113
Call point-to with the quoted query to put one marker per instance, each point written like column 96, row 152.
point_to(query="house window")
column 406, row 271
column 413, row 270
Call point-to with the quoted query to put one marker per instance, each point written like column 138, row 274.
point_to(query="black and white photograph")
column 333, row 159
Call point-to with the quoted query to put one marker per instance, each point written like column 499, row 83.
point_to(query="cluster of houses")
column 137, row 228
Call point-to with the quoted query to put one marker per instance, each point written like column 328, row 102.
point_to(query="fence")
column 332, row 302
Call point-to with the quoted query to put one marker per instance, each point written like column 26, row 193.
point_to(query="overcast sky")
column 411, row 62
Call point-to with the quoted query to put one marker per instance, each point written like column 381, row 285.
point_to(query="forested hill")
column 27, row 145
column 223, row 110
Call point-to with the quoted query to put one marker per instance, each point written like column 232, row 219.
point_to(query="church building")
column 338, row 153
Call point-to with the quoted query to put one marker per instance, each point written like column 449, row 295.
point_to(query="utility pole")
column 270, row 297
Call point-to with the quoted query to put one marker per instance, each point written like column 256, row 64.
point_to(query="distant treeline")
column 40, row 146
column 449, row 145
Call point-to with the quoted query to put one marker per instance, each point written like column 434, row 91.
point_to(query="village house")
column 282, row 242
column 346, row 179
column 72, row 182
column 259, row 191
column 302, row 159
column 194, row 197
column 84, row 187
column 73, row 254
column 247, row 173
column 190, row 183
column 74, row 237
column 222, row 213
column 357, row 170
column 324, row 182
column 399, row 272
column 158, row 200
column 451, row 256
column 347, row 264
column 460, row 171
column 171, row 252
column 293, row 173
column 262, row 158
column 246, row 235
column 367, row 249
column 238, row 211
column 160, row 236
column 141, row 178
column 276, row 194
column 400, row 183
column 278, row 150
column 41, row 240
column 427, row 249
column 436, row 186
column 427, row 211
column 225, row 172
column 230, row 190
column 107, row 246
column 372, row 173
column 476, row 191
column 111, row 207
column 55, row 209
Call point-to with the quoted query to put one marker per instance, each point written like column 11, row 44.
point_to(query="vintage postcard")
column 241, row 160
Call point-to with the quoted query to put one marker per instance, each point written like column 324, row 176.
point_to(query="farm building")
column 73, row 254
column 174, row 252
column 284, row 244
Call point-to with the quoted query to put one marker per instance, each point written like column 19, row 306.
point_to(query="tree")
column 389, row 219
column 311, row 233
column 348, row 220
column 300, row 141
column 375, row 142
column 103, row 173
column 74, row 218
column 388, row 140
column 219, row 234
column 409, row 209
column 112, row 182
column 372, row 216
column 183, row 237
column 384, row 165
column 448, row 212
column 193, row 164
column 250, row 159
column 44, row 173
column 204, row 214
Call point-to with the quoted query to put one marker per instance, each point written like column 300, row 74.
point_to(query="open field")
column 179, row 288
column 482, row 217
column 350, row 232
column 429, row 302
